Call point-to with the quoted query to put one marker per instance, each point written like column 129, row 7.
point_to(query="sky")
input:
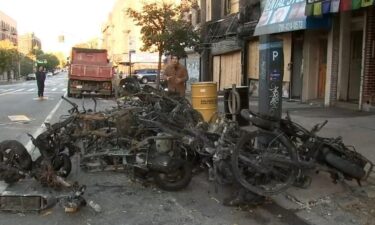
column 77, row 20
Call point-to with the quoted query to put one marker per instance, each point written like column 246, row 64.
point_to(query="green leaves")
column 9, row 56
column 52, row 60
column 163, row 29
column 10, row 59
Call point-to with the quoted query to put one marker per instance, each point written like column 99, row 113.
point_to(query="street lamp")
column 130, row 61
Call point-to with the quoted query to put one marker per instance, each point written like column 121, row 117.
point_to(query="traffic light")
column 61, row 38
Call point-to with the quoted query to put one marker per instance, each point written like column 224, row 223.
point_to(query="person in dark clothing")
column 40, row 78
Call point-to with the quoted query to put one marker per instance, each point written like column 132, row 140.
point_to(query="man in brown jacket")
column 176, row 76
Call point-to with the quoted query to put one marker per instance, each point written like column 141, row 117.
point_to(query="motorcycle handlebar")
column 323, row 124
column 318, row 127
column 75, row 106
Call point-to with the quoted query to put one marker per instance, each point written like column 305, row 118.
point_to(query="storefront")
column 349, row 74
column 286, row 21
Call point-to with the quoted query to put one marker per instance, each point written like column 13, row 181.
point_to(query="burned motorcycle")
column 50, row 166
column 273, row 158
column 147, row 151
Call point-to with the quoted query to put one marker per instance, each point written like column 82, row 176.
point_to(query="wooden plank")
column 253, row 60
column 216, row 70
column 231, row 70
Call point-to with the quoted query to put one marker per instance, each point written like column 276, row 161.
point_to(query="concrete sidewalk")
column 325, row 202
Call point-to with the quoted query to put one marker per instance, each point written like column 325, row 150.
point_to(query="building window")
column 232, row 6
column 208, row 10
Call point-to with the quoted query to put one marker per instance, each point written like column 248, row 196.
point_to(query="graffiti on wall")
column 274, row 98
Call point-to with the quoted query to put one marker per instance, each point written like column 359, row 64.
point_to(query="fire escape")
column 222, row 29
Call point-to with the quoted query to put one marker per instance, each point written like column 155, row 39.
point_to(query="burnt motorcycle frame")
column 259, row 169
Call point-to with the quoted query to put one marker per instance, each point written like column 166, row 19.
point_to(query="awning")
column 322, row 7
column 287, row 15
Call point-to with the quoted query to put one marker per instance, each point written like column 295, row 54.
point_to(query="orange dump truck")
column 90, row 73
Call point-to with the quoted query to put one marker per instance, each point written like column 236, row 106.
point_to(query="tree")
column 164, row 30
column 26, row 65
column 51, row 60
column 9, row 56
column 61, row 57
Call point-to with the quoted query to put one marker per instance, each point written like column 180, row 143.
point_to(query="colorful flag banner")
column 335, row 6
column 326, row 5
column 356, row 4
column 366, row 3
column 345, row 5
column 318, row 9
column 309, row 9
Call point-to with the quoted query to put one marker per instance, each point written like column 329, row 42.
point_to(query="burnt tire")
column 15, row 158
column 13, row 153
column 348, row 168
column 256, row 171
column 176, row 180
column 68, row 91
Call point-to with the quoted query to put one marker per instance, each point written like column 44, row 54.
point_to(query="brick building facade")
column 368, row 92
column 8, row 28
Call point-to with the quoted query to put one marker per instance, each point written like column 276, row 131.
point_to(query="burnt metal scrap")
column 158, row 136
column 155, row 133
column 23, row 199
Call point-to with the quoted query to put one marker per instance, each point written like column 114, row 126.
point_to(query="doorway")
column 297, row 72
column 355, row 67
column 322, row 67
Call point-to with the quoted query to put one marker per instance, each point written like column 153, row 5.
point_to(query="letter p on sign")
column 275, row 54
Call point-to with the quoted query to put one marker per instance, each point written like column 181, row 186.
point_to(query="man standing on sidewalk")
column 40, row 78
column 176, row 76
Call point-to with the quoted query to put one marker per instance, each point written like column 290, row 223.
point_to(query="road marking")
column 32, row 89
column 17, row 118
column 54, row 89
column 64, row 90
column 9, row 92
column 19, row 90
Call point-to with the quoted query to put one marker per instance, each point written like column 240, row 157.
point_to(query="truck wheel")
column 144, row 80
column 68, row 90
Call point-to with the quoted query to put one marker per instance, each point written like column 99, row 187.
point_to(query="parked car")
column 49, row 74
column 31, row 76
column 146, row 75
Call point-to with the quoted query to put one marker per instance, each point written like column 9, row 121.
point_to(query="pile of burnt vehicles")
column 157, row 136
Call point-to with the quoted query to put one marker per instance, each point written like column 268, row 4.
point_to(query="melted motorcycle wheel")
column 176, row 179
column 264, row 163
column 15, row 156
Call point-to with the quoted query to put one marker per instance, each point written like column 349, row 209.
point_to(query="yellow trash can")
column 204, row 98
